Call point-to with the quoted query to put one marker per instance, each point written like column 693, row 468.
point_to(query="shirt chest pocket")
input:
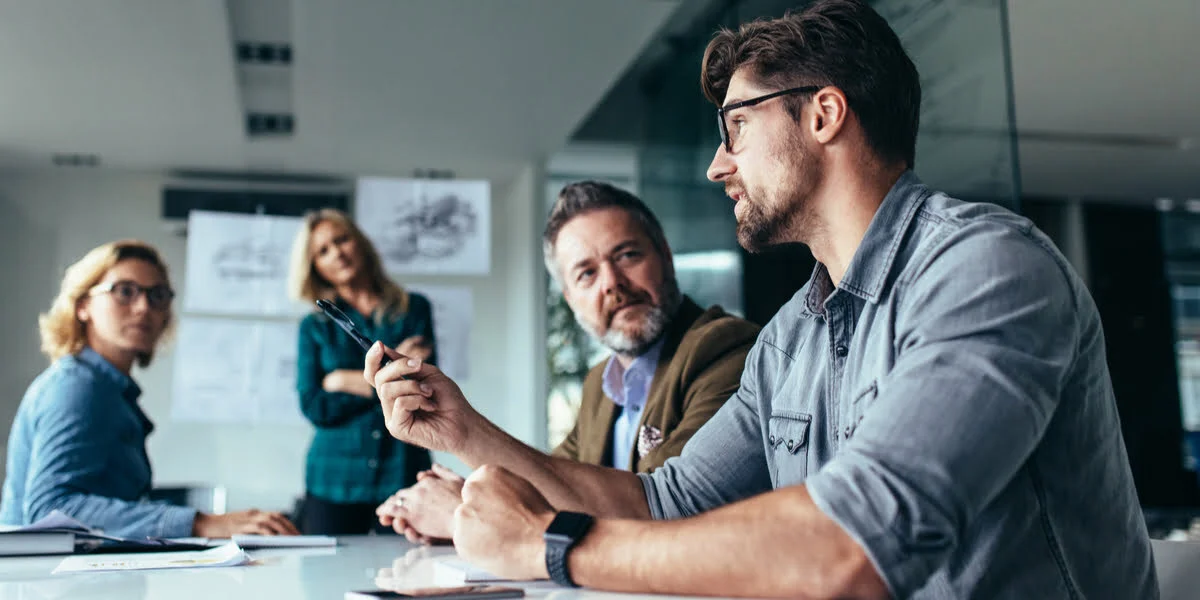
column 858, row 408
column 787, row 441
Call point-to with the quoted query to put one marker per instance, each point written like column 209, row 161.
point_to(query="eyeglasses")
column 724, row 127
column 126, row 292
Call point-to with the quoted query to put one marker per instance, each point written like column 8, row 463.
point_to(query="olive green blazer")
column 698, row 369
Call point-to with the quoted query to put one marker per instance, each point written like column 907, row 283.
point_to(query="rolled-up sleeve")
column 723, row 462
column 985, row 332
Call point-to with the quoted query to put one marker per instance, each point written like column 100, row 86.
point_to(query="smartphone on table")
column 343, row 321
column 466, row 592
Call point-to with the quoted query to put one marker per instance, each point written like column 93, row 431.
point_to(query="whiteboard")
column 235, row 371
column 238, row 264
column 427, row 226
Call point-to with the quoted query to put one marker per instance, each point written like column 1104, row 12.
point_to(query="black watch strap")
column 564, row 532
column 556, row 564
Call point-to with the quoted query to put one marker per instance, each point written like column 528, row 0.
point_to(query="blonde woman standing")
column 353, row 464
column 78, row 443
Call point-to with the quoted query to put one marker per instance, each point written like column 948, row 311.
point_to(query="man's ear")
column 830, row 110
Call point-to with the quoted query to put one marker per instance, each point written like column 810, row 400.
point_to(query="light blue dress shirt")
column 78, row 445
column 628, row 388
column 948, row 404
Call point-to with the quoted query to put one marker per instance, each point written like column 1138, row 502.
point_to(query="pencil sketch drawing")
column 429, row 228
column 245, row 260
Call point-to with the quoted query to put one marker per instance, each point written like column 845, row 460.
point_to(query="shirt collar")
column 100, row 365
column 617, row 380
column 876, row 254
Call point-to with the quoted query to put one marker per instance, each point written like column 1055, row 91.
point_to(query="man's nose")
column 722, row 165
column 612, row 279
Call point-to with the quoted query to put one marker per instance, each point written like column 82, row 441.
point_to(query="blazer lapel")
column 595, row 442
column 655, row 407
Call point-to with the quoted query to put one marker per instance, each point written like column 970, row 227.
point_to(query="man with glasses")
column 931, row 416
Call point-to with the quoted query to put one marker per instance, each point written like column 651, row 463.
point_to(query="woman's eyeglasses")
column 127, row 292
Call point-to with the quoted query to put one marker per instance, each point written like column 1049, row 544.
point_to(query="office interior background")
column 1080, row 114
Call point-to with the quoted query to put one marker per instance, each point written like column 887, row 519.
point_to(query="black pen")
column 347, row 325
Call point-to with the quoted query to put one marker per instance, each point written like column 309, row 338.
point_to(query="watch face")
column 568, row 526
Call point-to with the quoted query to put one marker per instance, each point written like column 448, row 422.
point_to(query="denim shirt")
column 628, row 389
column 78, row 444
column 948, row 405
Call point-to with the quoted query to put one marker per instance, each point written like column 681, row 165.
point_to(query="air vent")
column 75, row 159
column 261, row 31
column 263, row 124
column 264, row 54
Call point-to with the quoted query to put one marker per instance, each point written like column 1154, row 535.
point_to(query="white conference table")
column 358, row 563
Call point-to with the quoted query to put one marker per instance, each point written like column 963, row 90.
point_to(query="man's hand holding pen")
column 420, row 404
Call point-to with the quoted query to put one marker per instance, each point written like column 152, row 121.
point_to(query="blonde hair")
column 61, row 330
column 306, row 284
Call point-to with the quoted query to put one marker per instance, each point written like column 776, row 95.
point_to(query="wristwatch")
column 564, row 532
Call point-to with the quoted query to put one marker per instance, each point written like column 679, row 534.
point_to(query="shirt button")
column 846, row 433
column 841, row 350
column 372, row 463
column 772, row 440
column 376, row 434
column 790, row 443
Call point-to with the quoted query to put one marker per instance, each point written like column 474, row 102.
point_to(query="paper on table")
column 228, row 555
column 198, row 541
column 55, row 521
column 284, row 541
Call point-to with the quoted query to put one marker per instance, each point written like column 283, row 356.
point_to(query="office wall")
column 50, row 218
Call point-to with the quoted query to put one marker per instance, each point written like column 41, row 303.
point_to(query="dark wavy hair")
column 839, row 43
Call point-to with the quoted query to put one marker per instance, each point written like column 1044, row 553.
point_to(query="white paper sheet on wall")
column 235, row 371
column 427, row 226
column 452, row 309
column 238, row 264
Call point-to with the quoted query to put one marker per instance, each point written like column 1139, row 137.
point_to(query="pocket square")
column 649, row 438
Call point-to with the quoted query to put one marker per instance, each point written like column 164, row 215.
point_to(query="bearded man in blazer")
column 673, row 363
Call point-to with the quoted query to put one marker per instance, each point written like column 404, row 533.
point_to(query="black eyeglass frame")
column 150, row 292
column 721, row 111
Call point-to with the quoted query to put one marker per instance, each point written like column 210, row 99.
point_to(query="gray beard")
column 653, row 328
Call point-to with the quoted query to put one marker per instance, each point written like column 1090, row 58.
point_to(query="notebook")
column 52, row 534
column 28, row 543
column 58, row 533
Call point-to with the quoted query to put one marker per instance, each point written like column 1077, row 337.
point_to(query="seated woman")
column 78, row 443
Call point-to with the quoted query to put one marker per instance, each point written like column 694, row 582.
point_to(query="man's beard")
column 653, row 326
column 757, row 229
column 786, row 218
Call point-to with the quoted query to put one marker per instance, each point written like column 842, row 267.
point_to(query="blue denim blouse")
column 78, row 444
